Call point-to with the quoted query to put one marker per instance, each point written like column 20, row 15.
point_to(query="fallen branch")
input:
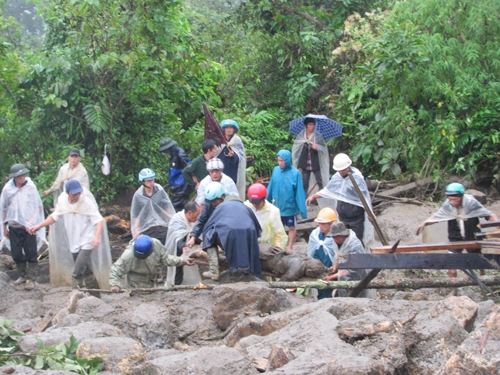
column 319, row 284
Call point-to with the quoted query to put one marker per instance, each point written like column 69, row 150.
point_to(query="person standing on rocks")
column 462, row 212
column 349, row 206
column 179, row 229
column 151, row 208
column 310, row 154
column 178, row 161
column 285, row 191
column 139, row 263
column 78, row 235
column 233, row 155
column 72, row 170
column 268, row 215
column 322, row 247
column 22, row 208
column 197, row 170
column 215, row 167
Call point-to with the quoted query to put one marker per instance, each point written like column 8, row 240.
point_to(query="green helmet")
column 18, row 170
column 455, row 189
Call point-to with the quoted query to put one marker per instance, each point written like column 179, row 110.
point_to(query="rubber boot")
column 91, row 283
column 21, row 273
column 213, row 264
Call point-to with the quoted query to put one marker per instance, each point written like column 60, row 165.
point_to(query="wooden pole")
column 319, row 284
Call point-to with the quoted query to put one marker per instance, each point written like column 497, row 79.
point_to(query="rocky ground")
column 248, row 328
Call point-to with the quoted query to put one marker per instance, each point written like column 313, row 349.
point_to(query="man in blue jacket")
column 286, row 192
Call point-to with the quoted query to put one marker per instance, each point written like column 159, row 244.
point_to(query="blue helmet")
column 455, row 189
column 228, row 122
column 146, row 174
column 143, row 246
column 214, row 190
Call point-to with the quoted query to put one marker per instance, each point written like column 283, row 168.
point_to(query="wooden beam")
column 470, row 245
column 422, row 261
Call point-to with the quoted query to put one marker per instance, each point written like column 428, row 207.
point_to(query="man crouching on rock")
column 139, row 263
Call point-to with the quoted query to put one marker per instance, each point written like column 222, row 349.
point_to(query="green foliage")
column 59, row 357
column 427, row 85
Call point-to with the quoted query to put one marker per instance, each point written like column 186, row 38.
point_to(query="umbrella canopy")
column 212, row 128
column 324, row 125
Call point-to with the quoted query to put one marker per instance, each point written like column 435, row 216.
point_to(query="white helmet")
column 215, row 164
column 341, row 161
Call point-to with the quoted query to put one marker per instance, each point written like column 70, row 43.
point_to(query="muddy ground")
column 247, row 328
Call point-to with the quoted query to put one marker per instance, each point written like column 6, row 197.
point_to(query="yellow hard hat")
column 326, row 215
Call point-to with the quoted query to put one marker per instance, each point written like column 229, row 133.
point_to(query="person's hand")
column 330, row 277
column 196, row 186
column 96, row 241
column 300, row 170
column 6, row 231
column 45, row 193
column 420, row 228
column 315, row 146
column 191, row 241
column 309, row 200
column 184, row 249
column 189, row 262
column 333, row 268
column 115, row 289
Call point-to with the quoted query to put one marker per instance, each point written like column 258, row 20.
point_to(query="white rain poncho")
column 340, row 188
column 230, row 187
column 179, row 229
column 329, row 246
column 21, row 206
column 236, row 144
column 65, row 239
column 471, row 208
column 147, row 212
column 324, row 160
column 65, row 174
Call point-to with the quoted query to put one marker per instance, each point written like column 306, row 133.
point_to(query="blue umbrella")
column 326, row 126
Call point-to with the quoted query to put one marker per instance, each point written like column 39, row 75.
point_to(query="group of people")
column 219, row 218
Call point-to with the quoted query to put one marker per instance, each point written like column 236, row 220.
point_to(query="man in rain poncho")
column 268, row 215
column 22, row 208
column 215, row 167
column 178, row 161
column 78, row 240
column 179, row 229
column 349, row 207
column 322, row 247
column 139, row 263
column 151, row 208
column 345, row 242
column 234, row 228
column 462, row 212
column 233, row 156
column 72, row 170
column 310, row 154
column 286, row 192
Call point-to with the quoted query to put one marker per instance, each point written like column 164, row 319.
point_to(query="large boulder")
column 120, row 354
column 205, row 361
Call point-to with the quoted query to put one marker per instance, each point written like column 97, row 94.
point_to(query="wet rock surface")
column 242, row 327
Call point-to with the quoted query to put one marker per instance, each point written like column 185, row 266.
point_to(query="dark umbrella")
column 324, row 125
column 212, row 128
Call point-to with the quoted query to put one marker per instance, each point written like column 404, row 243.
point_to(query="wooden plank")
column 428, row 247
column 422, row 261
column 490, row 224
column 399, row 190
column 46, row 320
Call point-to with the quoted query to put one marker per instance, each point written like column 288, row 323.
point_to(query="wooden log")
column 470, row 245
column 320, row 284
column 422, row 261
column 399, row 190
